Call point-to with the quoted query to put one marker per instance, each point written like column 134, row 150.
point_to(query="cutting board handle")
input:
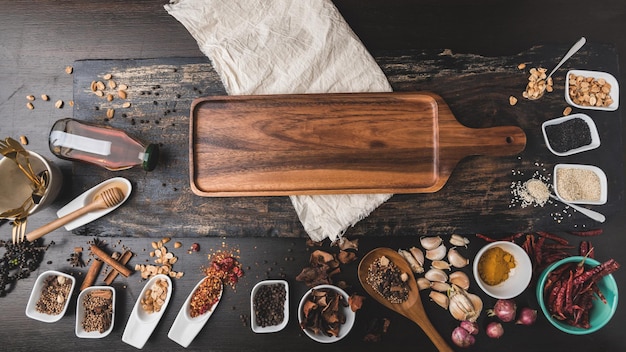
column 494, row 141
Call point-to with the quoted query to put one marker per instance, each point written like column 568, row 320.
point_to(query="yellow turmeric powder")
column 495, row 265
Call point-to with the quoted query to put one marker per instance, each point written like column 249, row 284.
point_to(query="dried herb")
column 19, row 261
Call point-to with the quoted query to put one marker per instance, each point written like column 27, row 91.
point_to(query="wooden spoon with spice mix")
column 412, row 308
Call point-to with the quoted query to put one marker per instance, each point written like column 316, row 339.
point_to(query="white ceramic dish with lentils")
column 258, row 327
column 576, row 183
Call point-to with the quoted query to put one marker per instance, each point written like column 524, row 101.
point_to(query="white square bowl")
column 595, row 74
column 35, row 294
column 593, row 131
column 601, row 176
column 272, row 328
column 80, row 313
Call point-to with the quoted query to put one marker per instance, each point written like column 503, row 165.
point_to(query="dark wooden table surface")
column 39, row 39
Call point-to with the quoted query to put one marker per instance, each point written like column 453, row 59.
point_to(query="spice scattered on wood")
column 19, row 261
column 387, row 280
column 269, row 304
column 98, row 305
column 225, row 266
column 495, row 265
column 165, row 262
column 568, row 135
column 531, row 192
column 54, row 295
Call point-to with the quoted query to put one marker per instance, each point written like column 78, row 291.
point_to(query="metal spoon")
column 579, row 44
column 590, row 213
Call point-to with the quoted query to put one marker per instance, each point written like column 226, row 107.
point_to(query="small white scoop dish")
column 141, row 323
column 185, row 327
column 87, row 197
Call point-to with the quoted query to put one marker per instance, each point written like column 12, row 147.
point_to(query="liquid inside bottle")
column 108, row 147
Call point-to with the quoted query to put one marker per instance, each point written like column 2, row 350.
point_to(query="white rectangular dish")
column 614, row 92
column 593, row 132
column 579, row 185
column 35, row 295
column 253, row 321
column 81, row 312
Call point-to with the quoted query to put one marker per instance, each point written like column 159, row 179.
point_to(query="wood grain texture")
column 403, row 142
column 476, row 198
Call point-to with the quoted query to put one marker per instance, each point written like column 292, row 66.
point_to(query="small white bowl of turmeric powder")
column 502, row 269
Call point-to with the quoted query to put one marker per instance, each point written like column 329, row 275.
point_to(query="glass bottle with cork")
column 104, row 146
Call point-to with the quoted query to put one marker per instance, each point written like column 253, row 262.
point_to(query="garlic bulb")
column 463, row 305
column 430, row 242
column 436, row 253
column 456, row 259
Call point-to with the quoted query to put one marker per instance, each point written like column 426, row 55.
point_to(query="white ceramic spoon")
column 87, row 196
column 185, row 328
column 590, row 213
column 141, row 324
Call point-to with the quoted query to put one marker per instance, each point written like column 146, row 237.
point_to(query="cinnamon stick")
column 123, row 259
column 112, row 262
column 92, row 274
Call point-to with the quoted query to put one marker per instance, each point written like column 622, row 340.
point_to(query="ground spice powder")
column 495, row 265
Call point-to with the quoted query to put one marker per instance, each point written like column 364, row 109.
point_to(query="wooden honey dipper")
column 106, row 198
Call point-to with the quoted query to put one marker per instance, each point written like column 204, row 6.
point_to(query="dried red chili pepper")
column 595, row 232
column 553, row 237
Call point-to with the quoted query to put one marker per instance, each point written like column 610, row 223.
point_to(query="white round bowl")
column 344, row 329
column 519, row 277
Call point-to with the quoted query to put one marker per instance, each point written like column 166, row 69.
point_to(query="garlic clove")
column 456, row 259
column 436, row 275
column 441, row 299
column 430, row 242
column 460, row 279
column 441, row 264
column 440, row 286
column 415, row 266
column 423, row 283
column 417, row 254
column 458, row 240
column 437, row 253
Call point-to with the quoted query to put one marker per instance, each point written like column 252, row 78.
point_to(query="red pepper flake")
column 205, row 296
column 225, row 266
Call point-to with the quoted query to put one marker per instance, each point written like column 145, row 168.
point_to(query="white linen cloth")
column 288, row 47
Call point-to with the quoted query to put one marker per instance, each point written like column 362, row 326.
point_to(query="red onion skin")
column 462, row 338
column 494, row 330
column 504, row 309
column 527, row 316
column 470, row 326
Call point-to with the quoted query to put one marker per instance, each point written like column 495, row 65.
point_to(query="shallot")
column 527, row 316
column 504, row 309
column 470, row 326
column 462, row 338
column 494, row 330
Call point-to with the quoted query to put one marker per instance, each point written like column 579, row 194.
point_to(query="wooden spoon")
column 106, row 198
column 412, row 308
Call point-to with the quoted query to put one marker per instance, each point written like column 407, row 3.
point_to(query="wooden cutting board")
column 400, row 142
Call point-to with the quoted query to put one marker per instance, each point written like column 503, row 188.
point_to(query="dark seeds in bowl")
column 269, row 303
column 568, row 135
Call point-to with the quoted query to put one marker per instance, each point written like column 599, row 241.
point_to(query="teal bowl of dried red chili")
column 578, row 299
